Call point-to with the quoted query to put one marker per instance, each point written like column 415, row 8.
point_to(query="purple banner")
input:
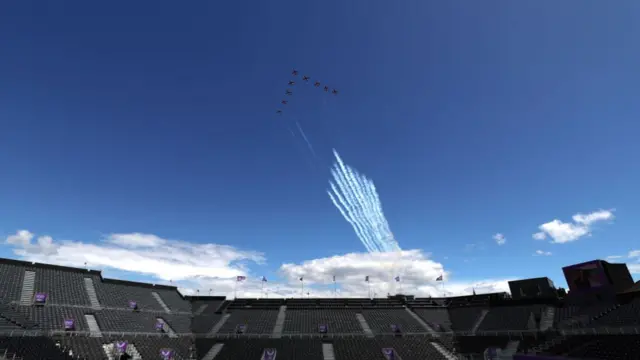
column 133, row 304
column 269, row 354
column 166, row 354
column 159, row 325
column 69, row 324
column 389, row 353
column 121, row 346
column 41, row 298
column 322, row 328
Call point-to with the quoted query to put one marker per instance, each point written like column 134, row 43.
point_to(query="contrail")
column 356, row 198
column 305, row 139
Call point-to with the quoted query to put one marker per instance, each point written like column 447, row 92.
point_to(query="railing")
column 623, row 330
column 512, row 334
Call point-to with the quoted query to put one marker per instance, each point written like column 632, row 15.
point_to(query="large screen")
column 585, row 276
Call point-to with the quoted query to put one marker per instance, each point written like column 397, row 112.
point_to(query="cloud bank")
column 213, row 268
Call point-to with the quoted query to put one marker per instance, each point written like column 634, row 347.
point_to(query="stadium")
column 54, row 312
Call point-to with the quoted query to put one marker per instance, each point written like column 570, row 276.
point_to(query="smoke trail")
column 352, row 205
column 350, row 185
column 356, row 198
column 354, row 216
column 349, row 218
column 306, row 140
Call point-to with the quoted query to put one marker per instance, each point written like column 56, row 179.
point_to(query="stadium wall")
column 541, row 287
column 618, row 275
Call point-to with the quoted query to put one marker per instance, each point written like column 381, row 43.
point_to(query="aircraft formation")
column 306, row 79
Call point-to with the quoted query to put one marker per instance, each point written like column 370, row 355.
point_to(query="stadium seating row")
column 75, row 313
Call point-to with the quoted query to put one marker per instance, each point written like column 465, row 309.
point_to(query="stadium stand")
column 307, row 321
column 53, row 312
column 381, row 320
column 62, row 286
column 11, row 275
column 464, row 318
column 510, row 317
column 258, row 321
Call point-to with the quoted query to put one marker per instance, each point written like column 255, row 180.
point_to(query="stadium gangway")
column 5, row 355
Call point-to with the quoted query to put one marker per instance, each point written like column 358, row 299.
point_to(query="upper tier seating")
column 307, row 321
column 256, row 321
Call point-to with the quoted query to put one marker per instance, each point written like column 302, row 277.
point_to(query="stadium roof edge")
column 48, row 266
column 140, row 284
column 37, row 265
column 204, row 297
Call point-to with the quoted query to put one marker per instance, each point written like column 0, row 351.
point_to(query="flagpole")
column 235, row 289
column 302, row 288
column 369, row 284
column 262, row 288
column 335, row 287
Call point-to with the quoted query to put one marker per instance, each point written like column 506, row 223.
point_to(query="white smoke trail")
column 347, row 201
column 350, row 186
column 353, row 207
column 356, row 198
column 350, row 220
column 306, row 140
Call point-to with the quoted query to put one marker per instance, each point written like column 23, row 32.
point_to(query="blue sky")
column 156, row 120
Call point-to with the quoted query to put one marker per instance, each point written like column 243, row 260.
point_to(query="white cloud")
column 138, row 253
column 136, row 240
column 416, row 270
column 214, row 267
column 588, row 219
column 634, row 268
column 500, row 239
column 21, row 238
column 539, row 236
column 561, row 232
column 542, row 253
column 634, row 254
column 614, row 257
